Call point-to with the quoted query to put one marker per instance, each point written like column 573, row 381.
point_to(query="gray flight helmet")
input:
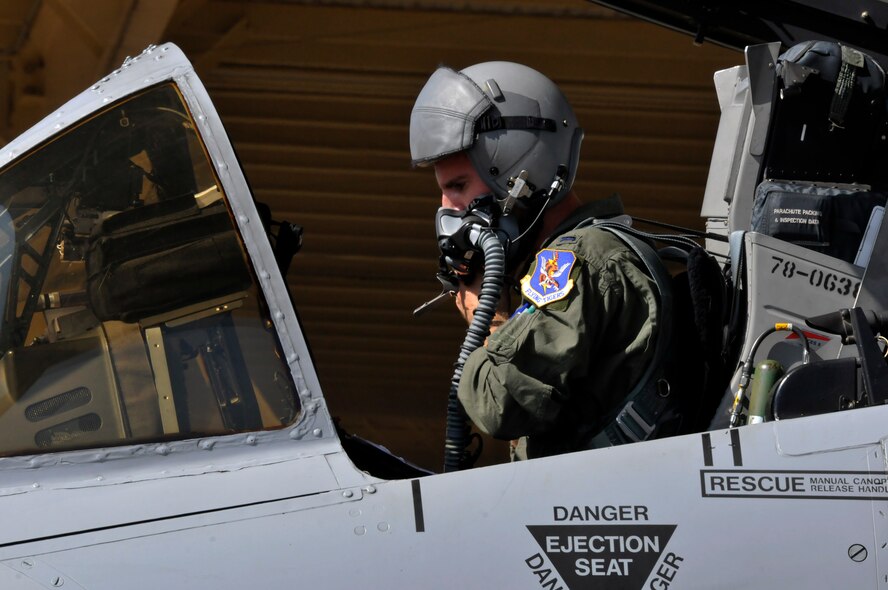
column 507, row 117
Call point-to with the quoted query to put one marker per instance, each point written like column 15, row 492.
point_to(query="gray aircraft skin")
column 162, row 425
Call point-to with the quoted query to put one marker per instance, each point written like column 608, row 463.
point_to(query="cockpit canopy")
column 130, row 311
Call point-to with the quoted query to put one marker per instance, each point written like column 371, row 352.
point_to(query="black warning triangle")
column 603, row 556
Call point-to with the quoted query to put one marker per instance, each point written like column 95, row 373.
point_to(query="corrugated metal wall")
column 316, row 95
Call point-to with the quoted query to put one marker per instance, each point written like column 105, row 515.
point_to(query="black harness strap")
column 647, row 405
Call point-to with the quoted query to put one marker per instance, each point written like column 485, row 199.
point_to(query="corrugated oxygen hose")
column 458, row 431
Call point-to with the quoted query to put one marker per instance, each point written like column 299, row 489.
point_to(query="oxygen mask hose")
column 458, row 433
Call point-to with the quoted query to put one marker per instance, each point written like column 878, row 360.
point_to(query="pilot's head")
column 481, row 128
column 500, row 118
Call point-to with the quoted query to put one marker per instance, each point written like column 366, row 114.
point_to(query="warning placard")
column 839, row 485
column 606, row 556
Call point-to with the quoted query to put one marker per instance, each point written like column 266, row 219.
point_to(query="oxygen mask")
column 512, row 219
column 459, row 232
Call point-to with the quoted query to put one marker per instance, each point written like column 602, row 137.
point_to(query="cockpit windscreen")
column 129, row 309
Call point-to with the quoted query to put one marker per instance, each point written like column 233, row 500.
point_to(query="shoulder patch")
column 549, row 280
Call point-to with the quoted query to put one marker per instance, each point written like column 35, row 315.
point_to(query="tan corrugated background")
column 316, row 96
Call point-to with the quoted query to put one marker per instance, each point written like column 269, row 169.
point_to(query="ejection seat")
column 798, row 184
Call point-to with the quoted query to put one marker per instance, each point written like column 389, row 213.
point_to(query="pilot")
column 577, row 319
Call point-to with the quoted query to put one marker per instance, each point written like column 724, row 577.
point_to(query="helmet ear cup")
column 550, row 138
column 498, row 152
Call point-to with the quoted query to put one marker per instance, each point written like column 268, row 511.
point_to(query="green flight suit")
column 556, row 369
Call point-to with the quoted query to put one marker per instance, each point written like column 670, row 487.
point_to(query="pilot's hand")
column 467, row 301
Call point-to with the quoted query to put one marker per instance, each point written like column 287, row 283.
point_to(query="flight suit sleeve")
column 520, row 383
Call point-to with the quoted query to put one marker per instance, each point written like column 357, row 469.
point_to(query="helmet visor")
column 443, row 118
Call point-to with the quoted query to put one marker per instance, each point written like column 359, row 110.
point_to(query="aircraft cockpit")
column 130, row 311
